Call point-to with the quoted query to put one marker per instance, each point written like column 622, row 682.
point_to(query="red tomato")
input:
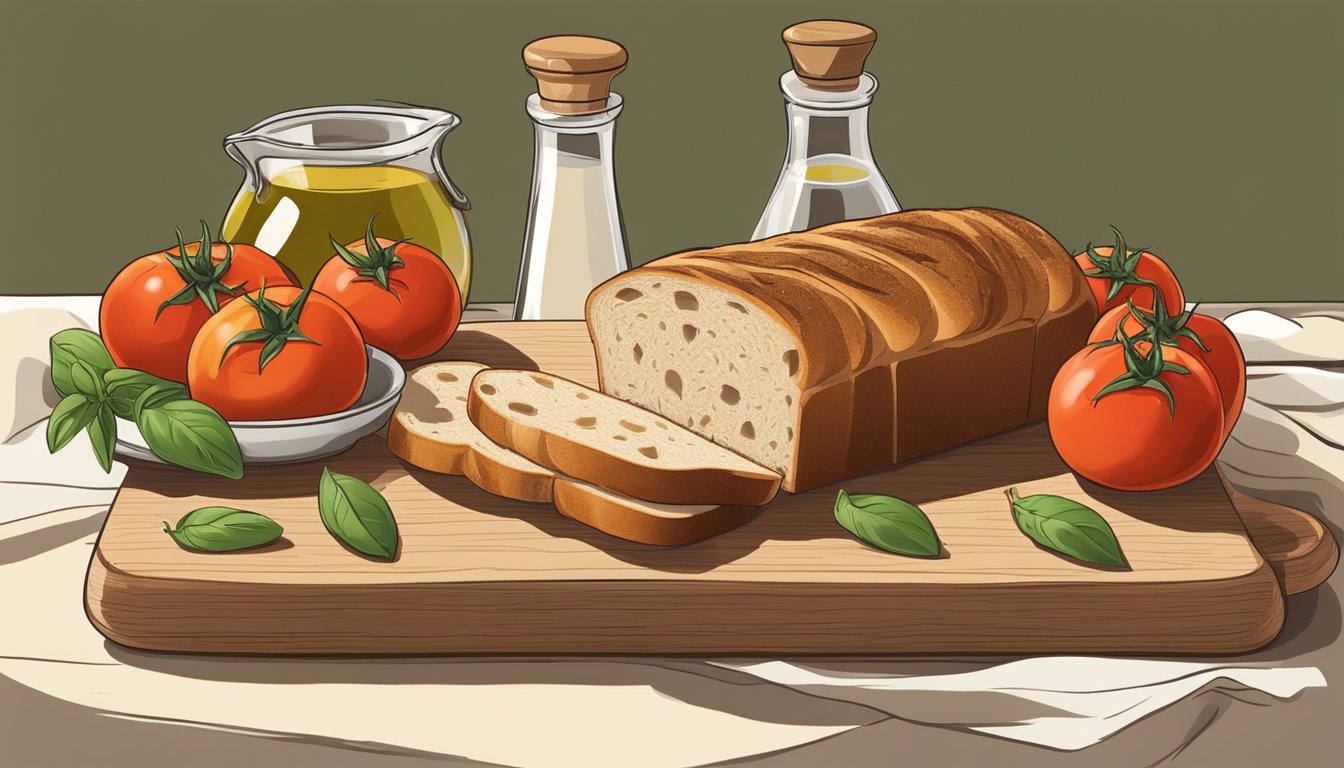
column 261, row 358
column 1117, row 274
column 1199, row 335
column 1155, row 427
column 153, row 308
column 404, row 297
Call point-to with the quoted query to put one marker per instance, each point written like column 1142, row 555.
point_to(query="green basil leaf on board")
column 357, row 515
column 124, row 387
column 1067, row 527
column 191, row 434
column 103, row 436
column 76, row 344
column 71, row 415
column 223, row 529
column 889, row 523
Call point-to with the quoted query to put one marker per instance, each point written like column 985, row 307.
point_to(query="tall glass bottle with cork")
column 575, row 237
column 829, row 172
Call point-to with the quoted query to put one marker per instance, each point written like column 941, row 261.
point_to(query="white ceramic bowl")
column 287, row 440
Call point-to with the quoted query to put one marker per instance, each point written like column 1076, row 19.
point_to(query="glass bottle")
column 575, row 237
column 829, row 172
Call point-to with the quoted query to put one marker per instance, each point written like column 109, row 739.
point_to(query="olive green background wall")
column 1212, row 132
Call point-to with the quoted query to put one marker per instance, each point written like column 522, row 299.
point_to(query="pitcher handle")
column 455, row 195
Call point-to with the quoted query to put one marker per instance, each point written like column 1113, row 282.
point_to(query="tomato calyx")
column 279, row 326
column 201, row 277
column 1118, row 268
column 377, row 262
column 1160, row 326
column 1143, row 370
column 1164, row 328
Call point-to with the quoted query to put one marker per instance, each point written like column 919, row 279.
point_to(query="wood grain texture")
column 1300, row 549
column 480, row 574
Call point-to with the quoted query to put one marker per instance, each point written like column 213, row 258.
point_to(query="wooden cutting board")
column 480, row 574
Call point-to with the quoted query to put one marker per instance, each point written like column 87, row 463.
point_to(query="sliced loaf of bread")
column 430, row 430
column 608, row 442
column 827, row 353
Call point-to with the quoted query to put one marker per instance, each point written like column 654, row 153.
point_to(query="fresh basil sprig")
column 889, row 523
column 86, row 407
column 223, row 529
column 1067, row 527
column 357, row 515
column 177, row 429
column 77, row 344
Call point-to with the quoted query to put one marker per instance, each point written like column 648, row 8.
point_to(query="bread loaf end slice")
column 599, row 439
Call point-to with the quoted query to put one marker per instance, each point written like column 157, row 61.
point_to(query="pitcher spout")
column 349, row 135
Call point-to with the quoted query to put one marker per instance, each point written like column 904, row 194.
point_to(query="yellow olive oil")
column 834, row 173
column 302, row 206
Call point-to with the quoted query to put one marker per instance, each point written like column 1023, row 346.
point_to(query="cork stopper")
column 828, row 54
column 574, row 72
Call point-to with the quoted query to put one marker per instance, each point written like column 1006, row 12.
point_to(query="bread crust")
column 588, row 505
column 1071, row 311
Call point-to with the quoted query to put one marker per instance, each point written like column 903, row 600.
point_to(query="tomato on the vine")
column 1117, row 274
column 278, row 353
column 404, row 298
column 154, row 307
column 1199, row 335
column 1136, row 420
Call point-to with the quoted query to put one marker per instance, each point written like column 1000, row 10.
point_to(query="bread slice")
column 589, row 436
column 645, row 522
column 430, row 429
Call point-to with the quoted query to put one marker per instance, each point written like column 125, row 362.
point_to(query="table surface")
column 36, row 728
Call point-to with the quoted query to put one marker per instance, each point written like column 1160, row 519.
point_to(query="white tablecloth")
column 67, row 696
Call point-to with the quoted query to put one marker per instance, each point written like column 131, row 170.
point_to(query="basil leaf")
column 156, row 395
column 190, row 434
column 86, row 380
column 103, row 436
column 124, row 387
column 1067, row 527
column 223, row 529
column 71, row 415
column 76, row 344
column 889, row 523
column 357, row 515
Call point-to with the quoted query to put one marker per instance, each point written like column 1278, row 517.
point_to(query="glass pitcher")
column 324, row 172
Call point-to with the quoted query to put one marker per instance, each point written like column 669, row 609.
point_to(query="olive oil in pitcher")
column 323, row 173
column 293, row 215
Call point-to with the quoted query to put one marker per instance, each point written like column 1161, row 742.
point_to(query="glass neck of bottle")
column 835, row 133
column 828, row 124
column 574, row 141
